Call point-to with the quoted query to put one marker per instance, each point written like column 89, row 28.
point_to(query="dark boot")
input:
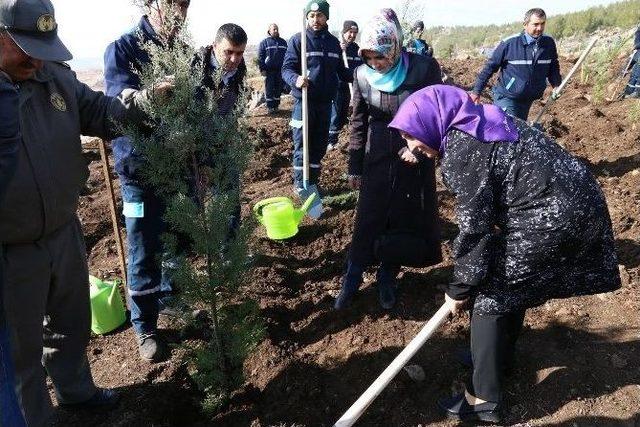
column 152, row 348
column 350, row 284
column 386, row 283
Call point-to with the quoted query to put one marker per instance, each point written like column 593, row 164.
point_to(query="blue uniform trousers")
column 339, row 112
column 10, row 414
column 515, row 107
column 273, row 86
column 319, row 119
column 634, row 78
column 148, row 267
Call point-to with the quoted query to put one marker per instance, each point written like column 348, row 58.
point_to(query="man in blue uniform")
column 148, row 271
column 270, row 56
column 526, row 61
column 340, row 109
column 326, row 69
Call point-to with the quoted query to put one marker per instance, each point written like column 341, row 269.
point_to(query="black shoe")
column 457, row 408
column 350, row 284
column 344, row 298
column 152, row 348
column 104, row 398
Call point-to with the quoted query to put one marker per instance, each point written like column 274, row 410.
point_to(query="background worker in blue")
column 416, row 44
column 326, row 69
column 270, row 56
column 10, row 414
column 148, row 274
column 526, row 60
column 340, row 109
column 633, row 87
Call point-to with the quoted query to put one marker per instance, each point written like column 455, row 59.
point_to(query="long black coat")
column 393, row 195
column 533, row 221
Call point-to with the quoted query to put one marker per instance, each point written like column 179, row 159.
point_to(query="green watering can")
column 107, row 309
column 279, row 217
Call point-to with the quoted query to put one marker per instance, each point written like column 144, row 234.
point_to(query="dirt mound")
column 578, row 359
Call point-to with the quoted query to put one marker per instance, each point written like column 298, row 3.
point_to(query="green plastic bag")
column 107, row 309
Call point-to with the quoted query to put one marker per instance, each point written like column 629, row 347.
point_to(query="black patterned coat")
column 533, row 221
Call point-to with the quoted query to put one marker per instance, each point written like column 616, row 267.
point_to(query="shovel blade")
column 315, row 209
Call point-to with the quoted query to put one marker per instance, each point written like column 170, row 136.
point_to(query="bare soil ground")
column 578, row 359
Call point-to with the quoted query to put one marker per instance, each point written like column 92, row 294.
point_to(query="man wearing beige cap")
column 46, row 292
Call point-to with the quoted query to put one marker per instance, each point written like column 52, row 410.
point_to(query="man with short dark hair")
column 226, row 52
column 526, row 61
column 270, row 57
column 148, row 268
column 46, row 278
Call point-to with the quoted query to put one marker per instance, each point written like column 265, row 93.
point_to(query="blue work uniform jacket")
column 525, row 67
column 271, row 53
column 121, row 58
column 324, row 62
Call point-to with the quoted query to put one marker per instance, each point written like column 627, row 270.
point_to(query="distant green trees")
column 624, row 14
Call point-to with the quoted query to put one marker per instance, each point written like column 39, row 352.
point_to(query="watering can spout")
column 300, row 213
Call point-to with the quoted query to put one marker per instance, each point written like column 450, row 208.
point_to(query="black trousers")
column 493, row 343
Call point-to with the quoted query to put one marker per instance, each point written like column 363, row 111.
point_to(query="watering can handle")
column 307, row 204
column 257, row 209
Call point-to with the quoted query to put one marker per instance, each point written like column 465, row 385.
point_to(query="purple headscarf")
column 430, row 113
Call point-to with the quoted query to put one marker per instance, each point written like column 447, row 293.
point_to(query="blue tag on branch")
column 133, row 209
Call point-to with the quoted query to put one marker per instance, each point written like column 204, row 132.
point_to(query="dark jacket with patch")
column 393, row 194
column 55, row 109
column 524, row 68
column 324, row 62
column 533, row 223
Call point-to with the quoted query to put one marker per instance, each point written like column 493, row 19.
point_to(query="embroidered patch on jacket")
column 58, row 102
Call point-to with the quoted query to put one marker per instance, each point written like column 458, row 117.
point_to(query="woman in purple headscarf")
column 393, row 195
column 533, row 222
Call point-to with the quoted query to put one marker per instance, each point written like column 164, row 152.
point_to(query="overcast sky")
column 88, row 26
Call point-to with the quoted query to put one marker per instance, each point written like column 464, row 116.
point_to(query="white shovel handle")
column 305, row 104
column 346, row 65
column 357, row 409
